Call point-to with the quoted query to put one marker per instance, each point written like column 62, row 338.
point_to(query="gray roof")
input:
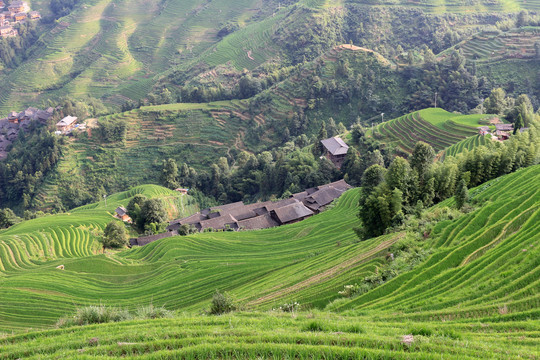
column 224, row 207
column 259, row 222
column 340, row 185
column 292, row 212
column 68, row 120
column 148, row 239
column 121, row 211
column 218, row 223
column 335, row 146
column 504, row 127
column 322, row 198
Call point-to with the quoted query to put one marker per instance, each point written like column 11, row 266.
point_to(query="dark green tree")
column 518, row 124
column 153, row 211
column 422, row 158
column 318, row 147
column 7, row 218
column 169, row 174
column 462, row 194
column 114, row 235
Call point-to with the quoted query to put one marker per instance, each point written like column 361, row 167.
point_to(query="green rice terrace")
column 496, row 46
column 437, row 127
column 475, row 296
column 467, row 144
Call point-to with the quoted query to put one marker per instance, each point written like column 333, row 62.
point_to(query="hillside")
column 311, row 261
column 484, row 311
column 439, row 128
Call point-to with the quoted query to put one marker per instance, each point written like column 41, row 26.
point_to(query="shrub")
column 222, row 303
column 421, row 330
column 95, row 315
column 152, row 312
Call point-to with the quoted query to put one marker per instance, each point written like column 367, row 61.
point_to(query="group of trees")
column 13, row 50
column 407, row 186
column 33, row 156
column 149, row 215
column 514, row 110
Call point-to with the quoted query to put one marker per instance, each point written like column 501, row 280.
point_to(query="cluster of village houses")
column 262, row 215
column 15, row 122
column 15, row 12
column 502, row 131
column 11, row 125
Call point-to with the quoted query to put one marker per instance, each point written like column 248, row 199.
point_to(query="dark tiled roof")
column 225, row 207
column 144, row 240
column 322, row 198
column 259, row 222
column 504, row 127
column 340, row 185
column 218, row 223
column 121, row 211
column 292, row 212
column 335, row 146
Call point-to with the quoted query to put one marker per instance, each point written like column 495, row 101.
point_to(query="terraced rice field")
column 486, row 265
column 467, row 144
column 437, row 127
column 461, row 7
column 491, row 47
column 475, row 297
column 279, row 336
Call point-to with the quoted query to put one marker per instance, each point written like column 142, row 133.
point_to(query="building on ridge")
column 66, row 124
column 335, row 150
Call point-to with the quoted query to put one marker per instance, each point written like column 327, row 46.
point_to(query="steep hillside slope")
column 486, row 263
column 476, row 296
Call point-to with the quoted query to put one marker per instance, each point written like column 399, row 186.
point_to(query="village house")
column 121, row 213
column 21, row 16
column 483, row 130
column 7, row 30
column 182, row 191
column 503, row 131
column 34, row 15
column 66, row 124
column 335, row 150
column 18, row 7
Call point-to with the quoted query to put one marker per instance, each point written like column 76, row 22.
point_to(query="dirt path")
column 332, row 272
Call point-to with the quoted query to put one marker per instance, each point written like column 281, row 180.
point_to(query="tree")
column 7, row 218
column 169, row 174
column 153, row 211
column 373, row 176
column 518, row 124
column 357, row 133
column 318, row 147
column 114, row 235
column 398, row 174
column 331, row 128
column 462, row 194
column 496, row 102
column 422, row 158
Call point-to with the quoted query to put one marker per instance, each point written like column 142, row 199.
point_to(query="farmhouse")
column 335, row 150
column 182, row 191
column 483, row 130
column 121, row 213
column 34, row 15
column 66, row 124
column 504, row 127
column 291, row 213
column 7, row 30
column 21, row 16
column 18, row 7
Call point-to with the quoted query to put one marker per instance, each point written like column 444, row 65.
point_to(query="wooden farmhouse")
column 483, row 130
column 66, row 124
column 18, row 7
column 182, row 191
column 335, row 150
column 121, row 213
column 21, row 16
column 7, row 30
column 34, row 15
